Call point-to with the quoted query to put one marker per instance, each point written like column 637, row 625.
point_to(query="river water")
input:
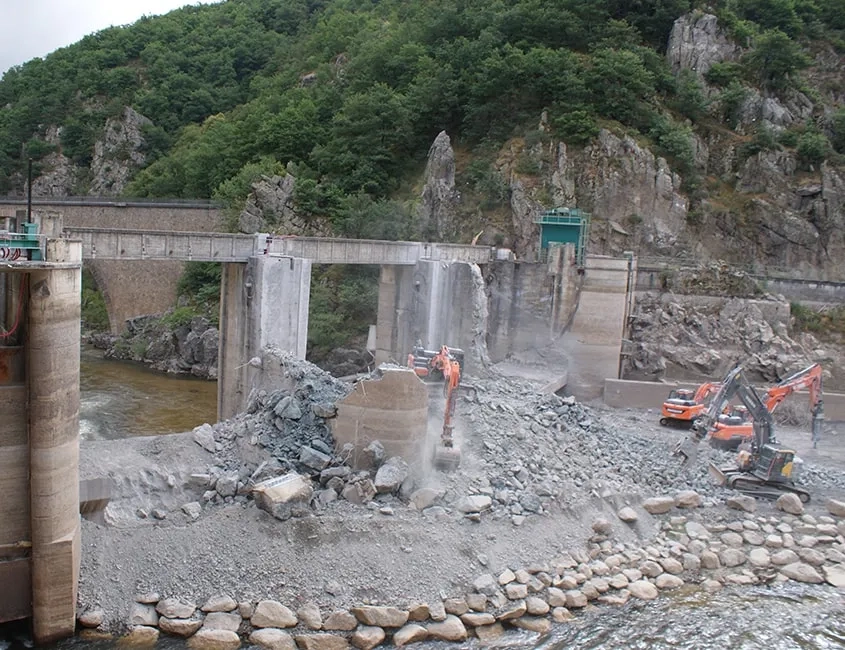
column 121, row 400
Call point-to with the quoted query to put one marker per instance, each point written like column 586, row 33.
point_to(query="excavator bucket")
column 717, row 473
column 687, row 449
column 447, row 458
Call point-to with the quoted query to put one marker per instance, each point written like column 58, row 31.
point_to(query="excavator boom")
column 764, row 470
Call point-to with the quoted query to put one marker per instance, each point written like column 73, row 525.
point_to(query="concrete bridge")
column 429, row 292
column 434, row 293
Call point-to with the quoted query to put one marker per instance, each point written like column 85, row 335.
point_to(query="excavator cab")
column 681, row 408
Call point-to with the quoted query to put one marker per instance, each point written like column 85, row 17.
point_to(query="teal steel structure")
column 560, row 226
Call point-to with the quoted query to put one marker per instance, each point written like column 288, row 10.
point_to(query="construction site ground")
column 584, row 462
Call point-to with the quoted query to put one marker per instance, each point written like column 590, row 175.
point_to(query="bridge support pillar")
column 39, row 440
column 434, row 302
column 263, row 302
column 53, row 368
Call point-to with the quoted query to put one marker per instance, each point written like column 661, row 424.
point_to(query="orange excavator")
column 763, row 468
column 683, row 406
column 734, row 428
column 445, row 364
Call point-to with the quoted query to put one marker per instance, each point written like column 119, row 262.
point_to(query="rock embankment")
column 681, row 336
column 694, row 547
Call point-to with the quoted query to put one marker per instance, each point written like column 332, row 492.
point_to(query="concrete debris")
column 279, row 496
column 390, row 475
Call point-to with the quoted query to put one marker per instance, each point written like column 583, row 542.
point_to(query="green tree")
column 620, row 84
column 776, row 58
column 812, row 148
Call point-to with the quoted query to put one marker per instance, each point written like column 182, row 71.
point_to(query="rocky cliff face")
column 270, row 207
column 765, row 210
column 119, row 153
column 697, row 42
column 689, row 337
column 58, row 173
column 439, row 197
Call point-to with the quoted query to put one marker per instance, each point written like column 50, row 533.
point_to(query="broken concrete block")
column 390, row 475
column 279, row 495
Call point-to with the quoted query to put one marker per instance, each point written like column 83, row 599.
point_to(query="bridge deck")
column 118, row 244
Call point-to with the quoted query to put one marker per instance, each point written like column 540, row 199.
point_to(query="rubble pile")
column 676, row 337
column 525, row 454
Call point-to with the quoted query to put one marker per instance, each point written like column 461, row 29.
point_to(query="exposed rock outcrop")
column 679, row 336
column 189, row 348
column 119, row 153
column 697, row 42
column 58, row 173
column 439, row 198
column 270, row 207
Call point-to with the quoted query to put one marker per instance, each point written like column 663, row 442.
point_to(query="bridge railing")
column 106, row 243
column 327, row 250
column 119, row 244
column 112, row 201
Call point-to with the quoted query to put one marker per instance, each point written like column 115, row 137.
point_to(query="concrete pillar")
column 594, row 340
column 263, row 302
column 52, row 359
column 432, row 302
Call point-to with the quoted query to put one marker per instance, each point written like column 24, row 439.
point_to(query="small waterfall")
column 478, row 347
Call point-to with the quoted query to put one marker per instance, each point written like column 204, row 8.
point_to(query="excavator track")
column 756, row 487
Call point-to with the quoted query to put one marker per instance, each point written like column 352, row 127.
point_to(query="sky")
column 31, row 28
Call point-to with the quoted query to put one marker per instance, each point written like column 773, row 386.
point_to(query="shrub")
column 179, row 317
column 576, row 127
column 812, row 148
column 722, row 74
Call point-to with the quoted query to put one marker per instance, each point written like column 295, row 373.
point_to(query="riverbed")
column 120, row 399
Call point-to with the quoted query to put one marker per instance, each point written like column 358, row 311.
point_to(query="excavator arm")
column 810, row 378
column 705, row 390
column 734, row 385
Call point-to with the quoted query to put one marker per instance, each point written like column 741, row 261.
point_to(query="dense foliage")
column 351, row 94
column 348, row 95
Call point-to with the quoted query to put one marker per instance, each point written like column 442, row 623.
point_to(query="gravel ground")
column 548, row 465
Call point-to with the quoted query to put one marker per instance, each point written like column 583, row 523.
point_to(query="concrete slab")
column 392, row 409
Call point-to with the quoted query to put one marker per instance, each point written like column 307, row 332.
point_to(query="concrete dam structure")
column 428, row 292
column 39, row 438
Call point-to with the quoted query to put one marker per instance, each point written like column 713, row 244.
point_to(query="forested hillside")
column 348, row 96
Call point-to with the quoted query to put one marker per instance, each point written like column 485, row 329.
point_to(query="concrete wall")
column 593, row 343
column 793, row 289
column 392, row 409
column 431, row 302
column 263, row 302
column 530, row 304
column 623, row 393
column 39, row 442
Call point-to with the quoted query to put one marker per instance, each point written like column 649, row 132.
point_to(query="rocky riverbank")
column 556, row 508
column 189, row 346
column 693, row 548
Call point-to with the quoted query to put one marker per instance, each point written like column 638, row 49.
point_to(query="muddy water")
column 120, row 399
